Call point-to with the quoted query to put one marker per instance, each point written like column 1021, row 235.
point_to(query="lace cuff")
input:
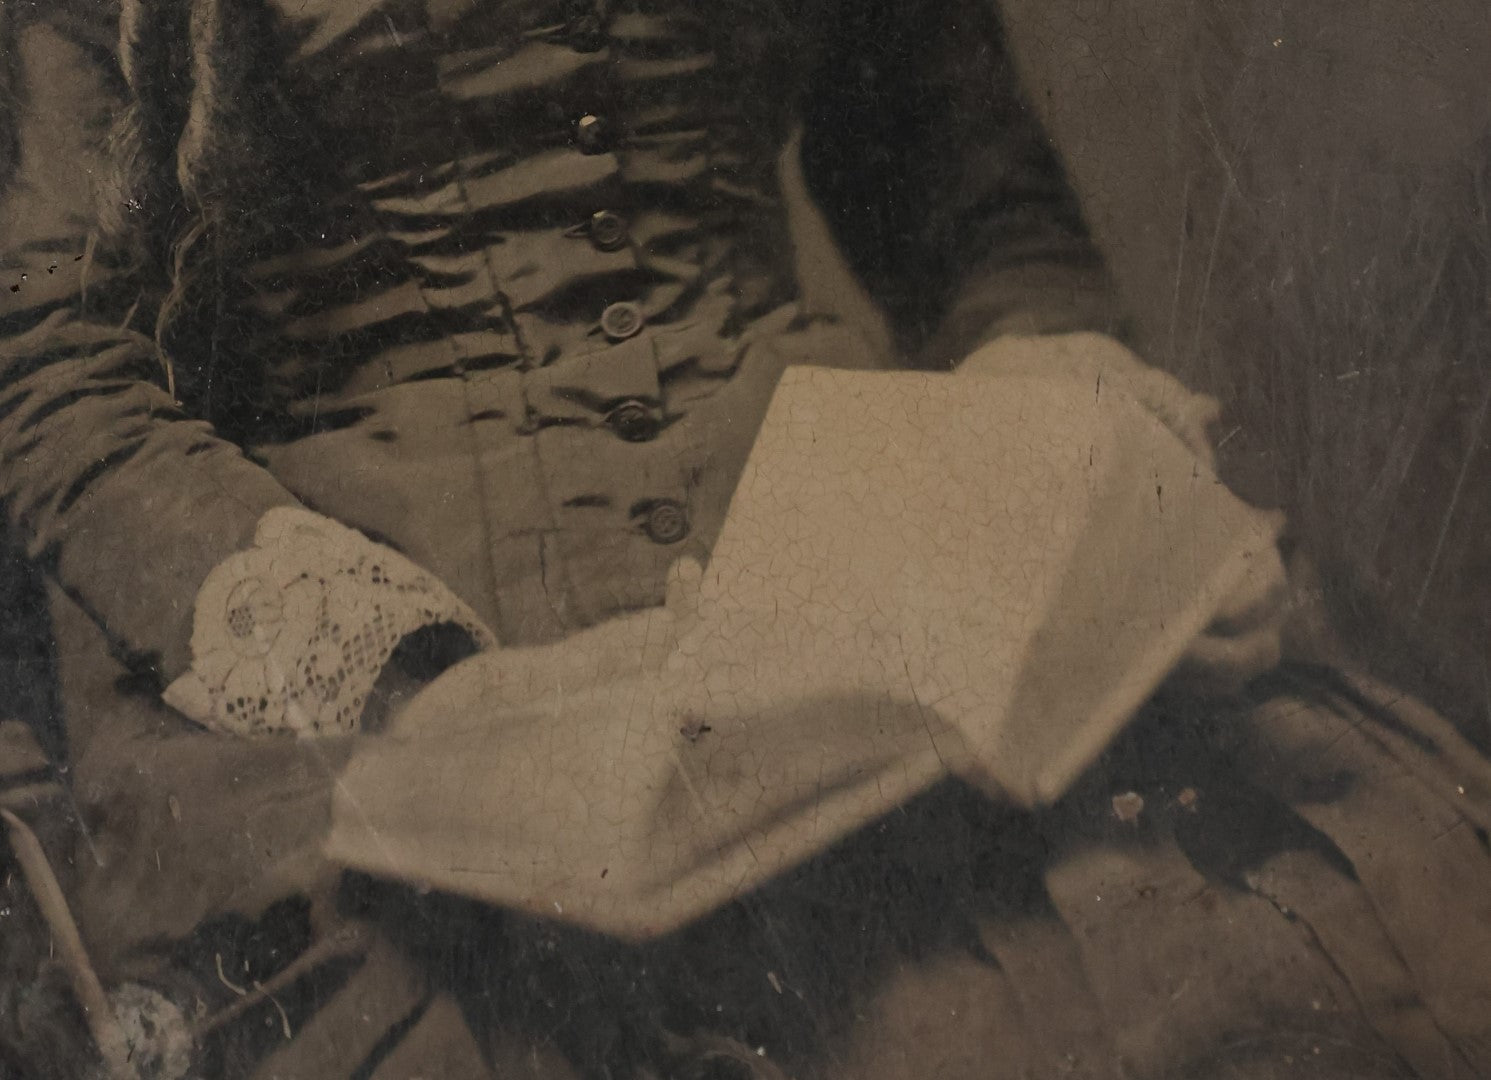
column 291, row 634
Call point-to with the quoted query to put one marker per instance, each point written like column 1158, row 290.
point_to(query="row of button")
column 634, row 420
column 607, row 231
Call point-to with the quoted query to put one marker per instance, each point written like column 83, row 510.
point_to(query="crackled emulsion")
column 647, row 539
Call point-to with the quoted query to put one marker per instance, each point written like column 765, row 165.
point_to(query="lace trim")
column 291, row 634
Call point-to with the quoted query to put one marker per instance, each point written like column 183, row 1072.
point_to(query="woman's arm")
column 126, row 500
column 940, row 184
column 158, row 527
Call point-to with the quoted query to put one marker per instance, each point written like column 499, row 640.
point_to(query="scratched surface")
column 715, row 722
column 1295, row 204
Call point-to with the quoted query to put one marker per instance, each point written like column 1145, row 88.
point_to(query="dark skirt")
column 1293, row 885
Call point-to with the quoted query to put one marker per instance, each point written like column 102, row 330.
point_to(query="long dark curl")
column 186, row 201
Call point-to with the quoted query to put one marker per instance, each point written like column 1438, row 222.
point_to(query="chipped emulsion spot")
column 1128, row 806
column 393, row 31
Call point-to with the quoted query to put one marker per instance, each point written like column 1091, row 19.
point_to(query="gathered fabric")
column 506, row 289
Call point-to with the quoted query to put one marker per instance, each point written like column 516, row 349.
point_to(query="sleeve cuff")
column 291, row 634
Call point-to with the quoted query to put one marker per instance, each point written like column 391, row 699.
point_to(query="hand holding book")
column 919, row 576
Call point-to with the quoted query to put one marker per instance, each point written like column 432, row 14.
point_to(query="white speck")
column 1128, row 806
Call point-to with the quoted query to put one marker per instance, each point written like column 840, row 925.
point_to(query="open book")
column 919, row 576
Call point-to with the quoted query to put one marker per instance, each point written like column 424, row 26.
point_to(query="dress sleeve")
column 125, row 500
column 941, row 185
column 254, row 614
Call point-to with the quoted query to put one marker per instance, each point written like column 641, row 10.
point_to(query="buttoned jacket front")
column 509, row 280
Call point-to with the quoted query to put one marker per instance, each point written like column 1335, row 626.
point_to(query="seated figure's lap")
column 1225, row 920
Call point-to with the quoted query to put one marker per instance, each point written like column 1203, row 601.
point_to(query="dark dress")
column 505, row 284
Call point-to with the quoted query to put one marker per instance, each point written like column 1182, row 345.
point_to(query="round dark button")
column 592, row 134
column 608, row 231
column 667, row 522
column 621, row 321
column 634, row 421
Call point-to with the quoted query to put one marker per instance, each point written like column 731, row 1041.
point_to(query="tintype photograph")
column 763, row 539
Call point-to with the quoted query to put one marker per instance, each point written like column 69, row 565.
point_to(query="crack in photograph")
column 764, row 539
